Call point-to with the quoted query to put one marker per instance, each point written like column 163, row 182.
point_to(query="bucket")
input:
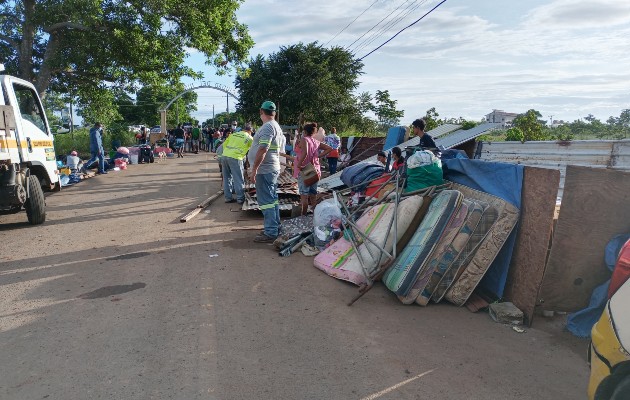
column 133, row 158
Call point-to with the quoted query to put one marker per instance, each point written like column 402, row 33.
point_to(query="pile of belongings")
column 445, row 240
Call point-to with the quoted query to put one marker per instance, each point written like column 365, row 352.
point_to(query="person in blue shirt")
column 96, row 148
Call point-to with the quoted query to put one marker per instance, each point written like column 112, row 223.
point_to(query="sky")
column 564, row 58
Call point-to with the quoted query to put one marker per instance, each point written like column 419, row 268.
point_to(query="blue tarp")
column 581, row 322
column 499, row 179
column 395, row 136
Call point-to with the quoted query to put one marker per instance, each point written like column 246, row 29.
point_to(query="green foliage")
column 514, row 135
column 385, row 110
column 97, row 104
column 306, row 81
column 431, row 119
column 530, row 125
column 79, row 141
column 95, row 50
column 563, row 133
column 151, row 98
column 469, row 124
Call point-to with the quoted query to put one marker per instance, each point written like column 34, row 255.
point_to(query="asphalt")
column 114, row 298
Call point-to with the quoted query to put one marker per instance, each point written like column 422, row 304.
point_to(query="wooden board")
column 538, row 204
column 595, row 208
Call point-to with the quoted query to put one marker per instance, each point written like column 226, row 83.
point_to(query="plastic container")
column 133, row 158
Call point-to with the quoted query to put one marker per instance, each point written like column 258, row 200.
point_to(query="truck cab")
column 27, row 153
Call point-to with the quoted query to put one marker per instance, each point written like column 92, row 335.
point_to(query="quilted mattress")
column 403, row 273
column 341, row 261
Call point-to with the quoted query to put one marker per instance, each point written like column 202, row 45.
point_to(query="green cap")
column 268, row 105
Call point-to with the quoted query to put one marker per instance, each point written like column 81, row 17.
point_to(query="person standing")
column 344, row 157
column 426, row 141
column 179, row 134
column 307, row 152
column 334, row 142
column 264, row 159
column 235, row 148
column 195, row 139
column 96, row 148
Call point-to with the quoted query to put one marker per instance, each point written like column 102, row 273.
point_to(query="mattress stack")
column 456, row 241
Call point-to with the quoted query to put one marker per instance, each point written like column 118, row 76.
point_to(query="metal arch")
column 202, row 85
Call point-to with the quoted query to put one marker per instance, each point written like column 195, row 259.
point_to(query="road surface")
column 114, row 298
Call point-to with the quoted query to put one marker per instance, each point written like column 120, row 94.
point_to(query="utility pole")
column 550, row 120
column 176, row 113
column 213, row 116
column 227, row 102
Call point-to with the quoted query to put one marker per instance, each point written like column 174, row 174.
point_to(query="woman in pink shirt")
column 307, row 151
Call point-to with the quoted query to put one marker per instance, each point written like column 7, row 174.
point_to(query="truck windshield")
column 29, row 106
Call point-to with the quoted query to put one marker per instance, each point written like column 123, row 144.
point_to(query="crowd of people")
column 259, row 154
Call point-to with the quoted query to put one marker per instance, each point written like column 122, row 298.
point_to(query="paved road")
column 113, row 298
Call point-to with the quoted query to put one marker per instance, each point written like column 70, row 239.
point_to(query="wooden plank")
column 595, row 208
column 201, row 206
column 538, row 204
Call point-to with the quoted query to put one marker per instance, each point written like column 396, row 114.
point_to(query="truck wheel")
column 35, row 205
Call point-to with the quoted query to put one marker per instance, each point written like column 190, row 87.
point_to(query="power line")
column 391, row 24
column 353, row 21
column 403, row 29
column 377, row 24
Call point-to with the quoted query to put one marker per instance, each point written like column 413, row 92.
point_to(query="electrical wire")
column 390, row 25
column 353, row 21
column 403, row 29
column 395, row 20
column 377, row 24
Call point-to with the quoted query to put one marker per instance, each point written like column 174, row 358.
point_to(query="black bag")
column 146, row 155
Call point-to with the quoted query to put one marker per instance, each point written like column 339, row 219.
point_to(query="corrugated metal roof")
column 334, row 181
column 557, row 155
column 462, row 136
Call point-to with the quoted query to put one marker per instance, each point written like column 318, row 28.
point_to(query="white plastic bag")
column 325, row 212
column 327, row 223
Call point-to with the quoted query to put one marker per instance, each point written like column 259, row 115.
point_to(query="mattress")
column 403, row 273
column 487, row 219
column 486, row 252
column 453, row 226
column 341, row 261
column 448, row 256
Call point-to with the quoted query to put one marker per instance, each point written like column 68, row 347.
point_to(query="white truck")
column 27, row 154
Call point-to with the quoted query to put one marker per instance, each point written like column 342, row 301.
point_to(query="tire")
column 36, row 204
column 615, row 386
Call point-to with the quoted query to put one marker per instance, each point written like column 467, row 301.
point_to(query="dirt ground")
column 114, row 298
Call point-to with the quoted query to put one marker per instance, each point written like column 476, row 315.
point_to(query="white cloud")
column 565, row 57
column 579, row 14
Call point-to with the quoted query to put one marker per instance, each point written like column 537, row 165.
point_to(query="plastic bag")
column 325, row 212
column 327, row 223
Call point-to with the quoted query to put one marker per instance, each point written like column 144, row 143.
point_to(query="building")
column 501, row 117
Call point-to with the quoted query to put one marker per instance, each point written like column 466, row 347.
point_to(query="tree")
column 385, row 110
column 514, row 135
column 306, row 81
column 530, row 125
column 151, row 98
column 76, row 45
column 431, row 119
